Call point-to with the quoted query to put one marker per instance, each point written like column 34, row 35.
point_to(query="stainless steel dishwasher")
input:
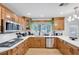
column 49, row 42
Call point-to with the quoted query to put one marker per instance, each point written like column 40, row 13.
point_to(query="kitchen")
column 54, row 33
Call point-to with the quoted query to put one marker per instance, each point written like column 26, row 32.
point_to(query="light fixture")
column 61, row 13
column 69, row 19
column 28, row 14
column 41, row 15
column 75, row 15
column 8, row 16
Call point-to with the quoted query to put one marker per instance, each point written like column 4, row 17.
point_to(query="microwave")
column 10, row 26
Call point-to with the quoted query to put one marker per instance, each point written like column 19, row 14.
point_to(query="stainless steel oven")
column 10, row 26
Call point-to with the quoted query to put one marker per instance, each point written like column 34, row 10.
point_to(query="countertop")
column 65, row 38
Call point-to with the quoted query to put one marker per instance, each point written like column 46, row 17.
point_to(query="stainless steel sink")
column 10, row 42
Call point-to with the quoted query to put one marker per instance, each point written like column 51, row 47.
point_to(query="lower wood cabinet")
column 4, row 53
column 75, row 50
column 37, row 42
column 65, row 47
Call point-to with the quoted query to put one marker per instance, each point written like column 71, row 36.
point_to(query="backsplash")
column 59, row 32
column 7, row 36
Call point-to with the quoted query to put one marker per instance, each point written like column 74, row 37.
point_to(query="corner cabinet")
column 58, row 23
column 65, row 47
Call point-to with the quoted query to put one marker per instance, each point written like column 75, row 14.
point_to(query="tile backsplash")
column 7, row 36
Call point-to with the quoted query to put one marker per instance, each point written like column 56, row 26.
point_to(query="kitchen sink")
column 10, row 42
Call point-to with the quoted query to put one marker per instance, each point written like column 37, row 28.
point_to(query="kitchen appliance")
column 49, row 42
column 10, row 42
column 10, row 26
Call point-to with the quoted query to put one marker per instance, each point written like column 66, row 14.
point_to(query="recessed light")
column 78, row 17
column 42, row 15
column 8, row 16
column 28, row 13
column 61, row 13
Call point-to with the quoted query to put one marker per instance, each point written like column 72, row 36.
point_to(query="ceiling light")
column 72, row 19
column 61, row 13
column 69, row 19
column 41, row 15
column 78, row 17
column 75, row 16
column 28, row 13
column 8, row 16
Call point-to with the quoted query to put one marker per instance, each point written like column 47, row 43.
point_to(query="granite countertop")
column 65, row 38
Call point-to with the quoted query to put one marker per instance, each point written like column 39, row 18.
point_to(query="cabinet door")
column 26, row 46
column 56, row 42
column 16, row 19
column 30, row 42
column 75, row 50
column 0, row 18
column 64, row 48
column 3, row 10
column 59, row 23
column 13, row 51
column 42, row 42
column 36, row 42
column 4, row 53
column 8, row 15
column 21, row 49
column 39, row 42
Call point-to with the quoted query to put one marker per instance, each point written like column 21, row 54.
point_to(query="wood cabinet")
column 21, row 49
column 42, row 42
column 4, row 53
column 3, row 10
column 65, row 48
column 7, row 13
column 0, row 18
column 37, row 42
column 59, row 23
column 75, row 50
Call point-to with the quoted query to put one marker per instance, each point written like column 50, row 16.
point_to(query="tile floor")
column 43, row 51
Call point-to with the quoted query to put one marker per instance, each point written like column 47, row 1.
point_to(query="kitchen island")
column 63, row 43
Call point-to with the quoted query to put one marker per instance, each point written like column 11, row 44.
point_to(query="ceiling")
column 41, row 10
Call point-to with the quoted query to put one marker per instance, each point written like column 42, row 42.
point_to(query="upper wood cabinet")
column 3, row 10
column 0, row 18
column 10, row 15
column 15, row 17
column 59, row 23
